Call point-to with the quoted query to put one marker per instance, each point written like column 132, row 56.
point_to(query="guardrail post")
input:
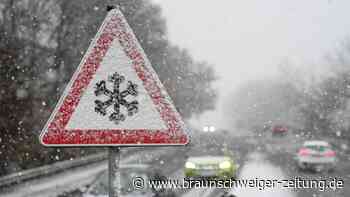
column 113, row 165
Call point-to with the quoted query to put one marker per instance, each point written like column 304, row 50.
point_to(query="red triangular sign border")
column 114, row 27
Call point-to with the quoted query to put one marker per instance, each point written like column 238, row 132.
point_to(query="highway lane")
column 287, row 163
column 257, row 158
column 255, row 166
column 239, row 148
column 71, row 179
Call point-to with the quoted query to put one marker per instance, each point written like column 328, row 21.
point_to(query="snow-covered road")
column 254, row 165
column 257, row 167
column 71, row 179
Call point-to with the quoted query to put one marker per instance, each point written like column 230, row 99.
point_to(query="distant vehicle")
column 222, row 167
column 279, row 130
column 99, row 188
column 317, row 156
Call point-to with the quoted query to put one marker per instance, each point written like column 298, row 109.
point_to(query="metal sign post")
column 113, row 165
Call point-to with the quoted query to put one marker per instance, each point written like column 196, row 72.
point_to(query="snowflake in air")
column 116, row 98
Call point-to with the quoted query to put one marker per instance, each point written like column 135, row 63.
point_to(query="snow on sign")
column 114, row 98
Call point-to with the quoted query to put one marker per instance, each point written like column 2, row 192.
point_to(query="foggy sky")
column 247, row 39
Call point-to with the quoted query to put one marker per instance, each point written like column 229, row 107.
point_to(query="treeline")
column 312, row 101
column 41, row 44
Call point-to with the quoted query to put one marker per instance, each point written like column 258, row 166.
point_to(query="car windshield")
column 205, row 152
column 318, row 148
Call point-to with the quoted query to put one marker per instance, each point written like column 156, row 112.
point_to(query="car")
column 317, row 156
column 99, row 187
column 199, row 167
column 279, row 130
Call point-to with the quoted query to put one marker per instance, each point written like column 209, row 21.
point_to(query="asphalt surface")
column 285, row 158
column 260, row 157
column 288, row 164
column 171, row 165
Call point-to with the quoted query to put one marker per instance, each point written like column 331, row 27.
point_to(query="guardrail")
column 46, row 170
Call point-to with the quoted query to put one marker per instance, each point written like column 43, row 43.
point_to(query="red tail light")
column 303, row 152
column 329, row 153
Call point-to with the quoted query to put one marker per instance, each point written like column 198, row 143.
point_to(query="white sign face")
column 85, row 117
column 114, row 97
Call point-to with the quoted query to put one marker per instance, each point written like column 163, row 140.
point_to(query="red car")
column 317, row 156
column 279, row 130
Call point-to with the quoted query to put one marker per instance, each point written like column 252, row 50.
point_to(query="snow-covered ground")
column 253, row 165
column 257, row 167
column 76, row 178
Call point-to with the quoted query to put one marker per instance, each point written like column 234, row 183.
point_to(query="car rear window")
column 317, row 148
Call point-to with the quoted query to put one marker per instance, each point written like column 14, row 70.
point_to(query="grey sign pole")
column 113, row 157
column 113, row 165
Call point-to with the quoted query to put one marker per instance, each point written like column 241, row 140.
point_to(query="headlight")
column 190, row 165
column 225, row 164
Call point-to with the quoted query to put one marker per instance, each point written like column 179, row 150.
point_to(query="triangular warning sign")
column 114, row 98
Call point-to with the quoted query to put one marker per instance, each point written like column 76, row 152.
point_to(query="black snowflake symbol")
column 116, row 98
